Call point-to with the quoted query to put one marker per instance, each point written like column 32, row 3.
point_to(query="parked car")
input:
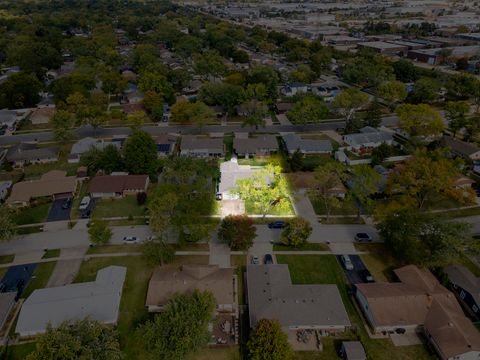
column 255, row 260
column 277, row 225
column 363, row 237
column 66, row 204
column 347, row 262
column 85, row 214
column 366, row 276
column 130, row 240
column 268, row 259
column 84, row 203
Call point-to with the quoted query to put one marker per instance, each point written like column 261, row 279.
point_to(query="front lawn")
column 230, row 353
column 32, row 215
column 324, row 269
column 51, row 253
column 111, row 249
column 346, row 207
column 379, row 261
column 124, row 207
column 6, row 259
column 132, row 307
column 306, row 247
column 39, row 278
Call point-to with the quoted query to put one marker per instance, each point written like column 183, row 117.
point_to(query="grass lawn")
column 231, row 353
column 110, row 249
column 20, row 352
column 32, row 215
column 37, row 170
column 379, row 261
column 346, row 207
column 132, row 307
column 51, row 253
column 228, row 142
column 6, row 259
column 306, row 247
column 40, row 277
column 324, row 269
column 126, row 206
column 29, row 230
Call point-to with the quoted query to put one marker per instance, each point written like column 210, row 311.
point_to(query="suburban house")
column 165, row 144
column 466, row 286
column 367, row 139
column 99, row 300
column 258, row 146
column 328, row 92
column 419, row 302
column 460, row 148
column 165, row 282
column 294, row 142
column 55, row 184
column 111, row 186
column 41, row 115
column 192, row 87
column 4, row 188
column 85, row 144
column 283, row 107
column 294, row 88
column 301, row 310
column 464, row 182
column 25, row 153
column 202, row 147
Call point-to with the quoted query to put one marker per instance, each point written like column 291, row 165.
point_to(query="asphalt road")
column 88, row 131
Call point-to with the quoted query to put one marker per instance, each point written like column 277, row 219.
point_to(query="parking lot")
column 354, row 276
column 57, row 212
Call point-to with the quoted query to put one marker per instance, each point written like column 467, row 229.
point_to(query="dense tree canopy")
column 237, row 231
column 140, row 154
column 269, row 342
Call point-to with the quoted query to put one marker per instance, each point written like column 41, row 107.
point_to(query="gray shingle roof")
column 464, row 278
column 253, row 145
column 271, row 295
column 193, row 143
column 99, row 300
column 28, row 152
column 293, row 142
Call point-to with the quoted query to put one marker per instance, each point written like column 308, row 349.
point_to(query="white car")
column 130, row 240
column 347, row 262
column 84, row 203
column 255, row 260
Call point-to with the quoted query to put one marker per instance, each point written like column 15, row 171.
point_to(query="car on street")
column 130, row 240
column 360, row 237
column 277, row 225
column 67, row 203
column 347, row 262
column 255, row 260
column 366, row 276
column 268, row 259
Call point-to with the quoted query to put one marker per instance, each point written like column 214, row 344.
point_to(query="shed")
column 353, row 350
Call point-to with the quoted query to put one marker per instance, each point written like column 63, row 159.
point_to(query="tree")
column 210, row 63
column 373, row 116
column 420, row 120
column 113, row 83
column 456, row 114
column 364, row 182
column 392, row 91
column 425, row 90
column 182, row 328
column 472, row 127
column 157, row 252
column 254, row 112
column 380, row 153
column 425, row 175
column 99, row 233
column 153, row 103
column 303, row 73
column 405, row 71
column 20, row 91
column 140, row 154
column 226, row 95
column 296, row 233
column 423, row 238
column 296, row 161
column 348, row 102
column 268, row 342
column 325, row 178
column 156, row 81
column 7, row 224
column 308, row 109
column 81, row 339
column 237, row 231
column 262, row 193
column 109, row 159
column 197, row 113
column 62, row 122
column 136, row 119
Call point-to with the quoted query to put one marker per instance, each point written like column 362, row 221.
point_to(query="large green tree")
column 238, row 231
column 456, row 114
column 420, row 120
column 181, row 329
column 348, row 102
column 62, row 122
column 73, row 340
column 269, row 342
column 20, row 91
column 363, row 183
column 296, row 233
column 140, row 154
column 308, row 109
column 98, row 232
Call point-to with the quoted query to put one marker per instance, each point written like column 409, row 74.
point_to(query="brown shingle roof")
column 117, row 183
column 166, row 282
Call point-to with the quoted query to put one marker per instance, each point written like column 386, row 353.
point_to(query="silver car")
column 347, row 262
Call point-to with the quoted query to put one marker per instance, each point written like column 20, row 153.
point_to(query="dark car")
column 277, row 225
column 66, row 204
column 366, row 276
column 268, row 259
column 86, row 214
column 362, row 237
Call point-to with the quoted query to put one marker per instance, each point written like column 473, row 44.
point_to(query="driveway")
column 354, row 276
column 57, row 212
column 66, row 270
column 17, row 278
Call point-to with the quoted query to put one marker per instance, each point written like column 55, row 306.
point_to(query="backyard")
column 324, row 269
